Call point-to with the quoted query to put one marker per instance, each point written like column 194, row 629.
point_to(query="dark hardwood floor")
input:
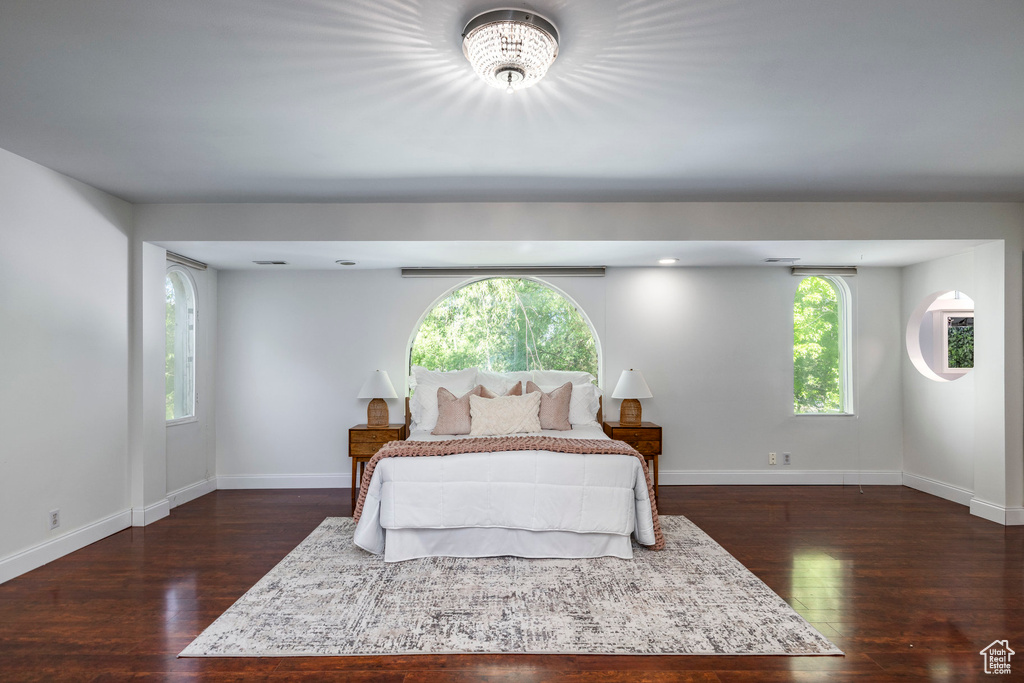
column 911, row 587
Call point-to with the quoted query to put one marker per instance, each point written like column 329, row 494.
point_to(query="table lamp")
column 378, row 388
column 631, row 386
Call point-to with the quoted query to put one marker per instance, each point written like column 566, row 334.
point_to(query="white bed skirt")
column 409, row 544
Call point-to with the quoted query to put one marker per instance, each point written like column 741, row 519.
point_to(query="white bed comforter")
column 530, row 490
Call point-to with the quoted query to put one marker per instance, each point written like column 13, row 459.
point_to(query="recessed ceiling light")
column 781, row 259
column 345, row 262
column 668, row 261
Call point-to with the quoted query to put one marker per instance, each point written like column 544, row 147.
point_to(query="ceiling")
column 649, row 100
column 378, row 255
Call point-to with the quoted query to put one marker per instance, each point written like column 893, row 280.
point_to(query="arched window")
column 505, row 325
column 821, row 345
column 180, row 367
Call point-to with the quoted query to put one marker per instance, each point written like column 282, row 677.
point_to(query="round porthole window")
column 940, row 336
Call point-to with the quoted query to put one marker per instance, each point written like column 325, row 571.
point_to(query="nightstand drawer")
column 635, row 434
column 645, row 447
column 363, row 448
column 377, row 436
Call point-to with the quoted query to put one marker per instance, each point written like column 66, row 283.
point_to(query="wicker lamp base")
column 377, row 413
column 629, row 413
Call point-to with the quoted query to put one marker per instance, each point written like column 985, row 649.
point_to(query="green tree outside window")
column 817, row 361
column 505, row 325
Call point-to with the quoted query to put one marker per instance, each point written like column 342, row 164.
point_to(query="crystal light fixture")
column 510, row 49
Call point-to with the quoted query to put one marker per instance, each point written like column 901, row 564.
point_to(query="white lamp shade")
column 378, row 386
column 631, row 385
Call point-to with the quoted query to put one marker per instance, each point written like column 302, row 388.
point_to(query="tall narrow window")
column 180, row 368
column 821, row 363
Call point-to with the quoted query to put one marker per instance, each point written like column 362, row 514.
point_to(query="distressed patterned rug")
column 329, row 598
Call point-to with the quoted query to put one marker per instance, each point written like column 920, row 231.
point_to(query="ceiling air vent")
column 271, row 263
column 781, row 259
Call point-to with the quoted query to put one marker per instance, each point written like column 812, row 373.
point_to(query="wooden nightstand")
column 646, row 438
column 363, row 444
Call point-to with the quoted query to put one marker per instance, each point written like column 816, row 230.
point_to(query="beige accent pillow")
column 504, row 415
column 554, row 406
column 453, row 413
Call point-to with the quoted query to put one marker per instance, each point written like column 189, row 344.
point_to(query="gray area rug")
column 328, row 597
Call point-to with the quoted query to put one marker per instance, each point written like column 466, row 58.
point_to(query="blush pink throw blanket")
column 410, row 449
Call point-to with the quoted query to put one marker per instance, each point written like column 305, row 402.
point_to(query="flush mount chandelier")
column 510, row 49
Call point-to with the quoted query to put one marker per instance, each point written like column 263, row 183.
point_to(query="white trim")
column 182, row 421
column 986, row 510
column 769, row 478
column 151, row 513
column 938, row 488
column 55, row 548
column 189, row 493
column 997, row 513
column 818, row 415
column 284, row 481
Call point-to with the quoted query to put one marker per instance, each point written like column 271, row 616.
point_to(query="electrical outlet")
column 785, row 458
column 54, row 518
column 771, row 458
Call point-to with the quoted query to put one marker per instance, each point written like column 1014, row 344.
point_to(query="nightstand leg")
column 655, row 478
column 354, row 486
column 652, row 467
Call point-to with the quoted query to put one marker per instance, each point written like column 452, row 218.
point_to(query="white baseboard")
column 151, row 513
column 938, row 488
column 48, row 551
column 997, row 513
column 284, row 481
column 782, row 477
column 1014, row 516
column 191, row 492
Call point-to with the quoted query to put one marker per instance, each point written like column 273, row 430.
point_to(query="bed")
column 517, row 494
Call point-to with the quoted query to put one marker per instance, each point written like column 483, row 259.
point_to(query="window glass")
column 505, row 325
column 181, row 341
column 959, row 342
column 820, row 364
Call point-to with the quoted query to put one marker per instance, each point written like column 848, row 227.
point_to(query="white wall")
column 938, row 417
column 1003, row 222
column 959, row 435
column 191, row 446
column 715, row 345
column 63, row 363
column 294, row 350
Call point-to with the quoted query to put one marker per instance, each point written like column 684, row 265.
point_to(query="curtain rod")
column 507, row 271
column 824, row 270
column 185, row 261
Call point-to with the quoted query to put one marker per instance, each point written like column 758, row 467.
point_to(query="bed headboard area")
column 408, row 413
column 585, row 406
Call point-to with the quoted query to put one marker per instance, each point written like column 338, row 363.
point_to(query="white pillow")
column 556, row 378
column 583, row 404
column 423, row 403
column 421, row 375
column 500, row 382
column 504, row 415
